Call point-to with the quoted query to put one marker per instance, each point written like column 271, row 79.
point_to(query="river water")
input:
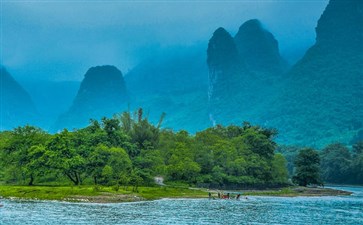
column 255, row 210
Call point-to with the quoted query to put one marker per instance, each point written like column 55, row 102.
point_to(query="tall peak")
column 222, row 51
column 341, row 24
column 253, row 24
column 258, row 48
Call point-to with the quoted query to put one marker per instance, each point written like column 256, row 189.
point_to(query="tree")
column 307, row 165
column 106, row 165
column 335, row 163
column 357, row 163
column 290, row 153
column 16, row 149
column 181, row 164
column 65, row 158
column 260, row 141
column 36, row 165
column 135, row 180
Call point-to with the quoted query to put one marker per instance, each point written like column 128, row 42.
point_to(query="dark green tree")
column 307, row 165
column 335, row 163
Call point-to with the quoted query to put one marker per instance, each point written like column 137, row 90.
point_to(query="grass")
column 45, row 192
column 103, row 194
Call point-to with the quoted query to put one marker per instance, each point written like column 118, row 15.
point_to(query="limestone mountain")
column 224, row 65
column 101, row 93
column 243, row 72
column 227, row 77
column 259, row 50
column 341, row 26
column 17, row 107
column 322, row 101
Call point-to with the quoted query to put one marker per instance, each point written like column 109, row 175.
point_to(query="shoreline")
column 87, row 194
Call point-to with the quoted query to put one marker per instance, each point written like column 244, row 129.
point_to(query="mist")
column 59, row 41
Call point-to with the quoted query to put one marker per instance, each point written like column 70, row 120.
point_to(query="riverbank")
column 99, row 194
column 298, row 191
column 114, row 195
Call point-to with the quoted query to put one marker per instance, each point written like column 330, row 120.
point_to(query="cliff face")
column 322, row 99
column 243, row 73
column 102, row 93
column 259, row 50
column 17, row 107
column 224, row 65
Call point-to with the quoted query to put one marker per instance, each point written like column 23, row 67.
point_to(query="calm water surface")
column 256, row 210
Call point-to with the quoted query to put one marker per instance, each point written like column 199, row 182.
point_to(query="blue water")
column 255, row 210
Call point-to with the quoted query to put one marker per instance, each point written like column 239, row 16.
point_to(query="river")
column 255, row 210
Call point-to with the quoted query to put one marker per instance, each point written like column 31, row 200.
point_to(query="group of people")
column 221, row 195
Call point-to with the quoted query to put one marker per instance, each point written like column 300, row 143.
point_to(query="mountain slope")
column 16, row 108
column 322, row 101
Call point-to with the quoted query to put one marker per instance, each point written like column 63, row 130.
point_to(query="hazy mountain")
column 244, row 72
column 17, row 108
column 169, row 70
column 102, row 93
column 259, row 50
column 322, row 101
column 224, row 66
column 240, row 78
column 174, row 81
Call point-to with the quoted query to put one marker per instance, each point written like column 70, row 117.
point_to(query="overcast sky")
column 60, row 40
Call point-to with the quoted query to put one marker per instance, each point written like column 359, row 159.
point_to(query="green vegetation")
column 117, row 159
column 338, row 163
column 307, row 167
column 98, row 193
column 127, row 150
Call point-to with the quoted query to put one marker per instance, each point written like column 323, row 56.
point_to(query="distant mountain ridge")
column 17, row 107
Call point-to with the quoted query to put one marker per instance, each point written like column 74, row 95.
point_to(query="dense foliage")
column 338, row 163
column 307, row 165
column 128, row 150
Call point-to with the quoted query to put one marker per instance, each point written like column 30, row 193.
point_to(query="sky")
column 60, row 40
